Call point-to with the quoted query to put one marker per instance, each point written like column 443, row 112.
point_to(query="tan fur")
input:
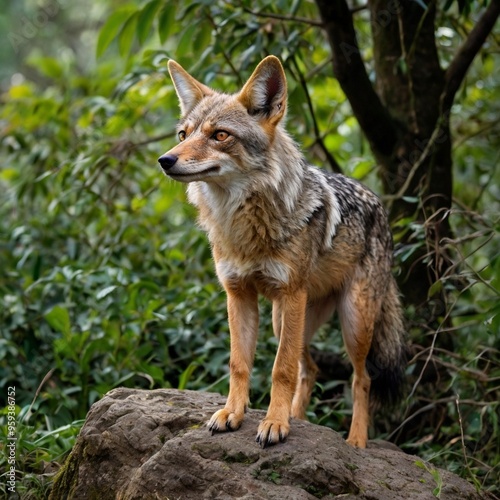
column 309, row 242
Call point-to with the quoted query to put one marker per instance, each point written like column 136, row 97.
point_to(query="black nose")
column 167, row 161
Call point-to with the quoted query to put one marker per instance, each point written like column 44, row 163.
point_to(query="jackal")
column 310, row 241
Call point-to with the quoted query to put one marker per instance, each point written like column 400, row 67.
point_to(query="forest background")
column 106, row 281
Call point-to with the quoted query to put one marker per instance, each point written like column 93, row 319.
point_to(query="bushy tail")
column 387, row 359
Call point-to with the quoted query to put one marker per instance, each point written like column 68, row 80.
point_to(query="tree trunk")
column 405, row 117
column 410, row 82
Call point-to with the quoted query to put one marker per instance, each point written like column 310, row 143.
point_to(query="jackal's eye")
column 220, row 135
column 181, row 135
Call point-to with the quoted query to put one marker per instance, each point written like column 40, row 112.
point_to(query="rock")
column 138, row 444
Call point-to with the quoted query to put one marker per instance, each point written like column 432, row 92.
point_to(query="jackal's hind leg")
column 358, row 310
column 305, row 385
column 358, row 434
column 316, row 314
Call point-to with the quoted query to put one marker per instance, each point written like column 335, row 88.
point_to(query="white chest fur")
column 270, row 269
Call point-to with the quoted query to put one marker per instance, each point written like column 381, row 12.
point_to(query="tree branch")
column 282, row 17
column 318, row 139
column 458, row 67
column 390, row 198
column 350, row 71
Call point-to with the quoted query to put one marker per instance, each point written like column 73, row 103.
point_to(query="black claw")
column 260, row 441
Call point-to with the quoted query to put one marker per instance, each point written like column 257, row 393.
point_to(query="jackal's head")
column 223, row 137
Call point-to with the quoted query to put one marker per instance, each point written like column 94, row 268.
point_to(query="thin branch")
column 37, row 392
column 318, row 68
column 485, row 128
column 484, row 185
column 462, row 437
column 414, row 44
column 433, row 345
column 401, row 192
column 476, row 374
column 318, row 139
column 432, row 405
column 458, row 67
column 282, row 17
column 408, row 57
column 360, row 8
column 156, row 138
column 350, row 71
column 226, row 56
column 296, row 19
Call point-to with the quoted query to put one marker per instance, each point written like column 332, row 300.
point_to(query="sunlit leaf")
column 167, row 21
column 58, row 318
column 126, row 36
column 111, row 28
column 105, row 292
column 146, row 18
column 435, row 289
column 48, row 66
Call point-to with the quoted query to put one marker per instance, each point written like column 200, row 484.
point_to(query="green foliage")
column 105, row 280
column 435, row 475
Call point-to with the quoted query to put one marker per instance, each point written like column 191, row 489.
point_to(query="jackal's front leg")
column 243, row 316
column 275, row 427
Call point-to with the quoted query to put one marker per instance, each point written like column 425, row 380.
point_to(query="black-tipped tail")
column 388, row 356
column 387, row 382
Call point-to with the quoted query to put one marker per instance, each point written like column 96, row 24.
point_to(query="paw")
column 272, row 431
column 224, row 420
column 357, row 441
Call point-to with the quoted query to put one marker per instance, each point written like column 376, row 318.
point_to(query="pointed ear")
column 189, row 90
column 265, row 91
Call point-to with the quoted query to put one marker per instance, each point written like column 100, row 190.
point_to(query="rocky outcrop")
column 139, row 444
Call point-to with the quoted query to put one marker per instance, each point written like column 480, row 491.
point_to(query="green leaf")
column 185, row 45
column 411, row 199
column 166, row 21
column 146, row 18
column 435, row 289
column 202, row 38
column 105, row 292
column 111, row 28
column 48, row 66
column 295, row 7
column 186, row 375
column 362, row 169
column 58, row 319
column 439, row 482
column 126, row 36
